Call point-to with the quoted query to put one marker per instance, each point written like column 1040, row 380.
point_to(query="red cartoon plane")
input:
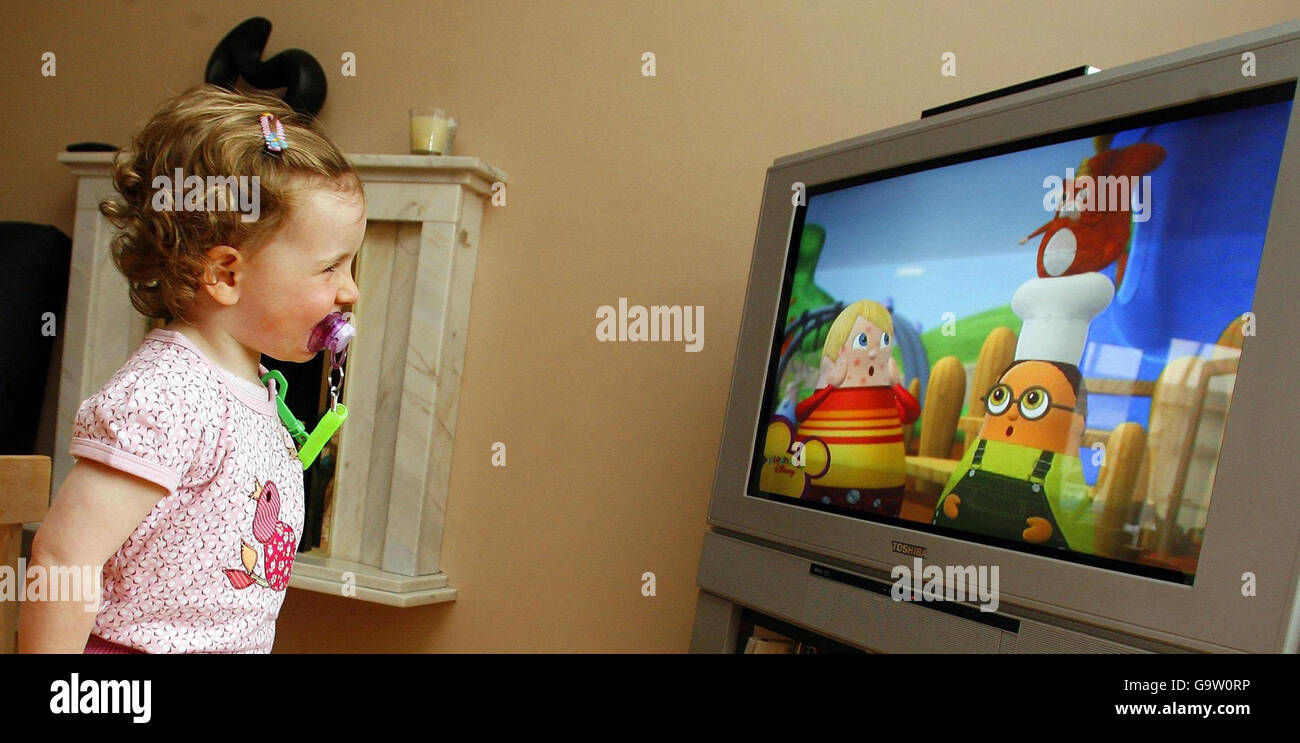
column 1087, row 235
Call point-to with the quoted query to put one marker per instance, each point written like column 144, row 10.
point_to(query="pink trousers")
column 98, row 645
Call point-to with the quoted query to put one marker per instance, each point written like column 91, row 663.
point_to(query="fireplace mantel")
column 415, row 274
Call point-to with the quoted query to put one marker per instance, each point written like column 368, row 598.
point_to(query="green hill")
column 969, row 336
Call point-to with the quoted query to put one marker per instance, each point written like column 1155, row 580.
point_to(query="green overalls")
column 997, row 496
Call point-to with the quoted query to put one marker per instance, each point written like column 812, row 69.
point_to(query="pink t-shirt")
column 206, row 570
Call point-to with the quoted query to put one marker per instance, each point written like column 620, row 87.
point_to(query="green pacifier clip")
column 310, row 445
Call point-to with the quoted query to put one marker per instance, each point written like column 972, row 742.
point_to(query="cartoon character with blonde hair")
column 858, row 412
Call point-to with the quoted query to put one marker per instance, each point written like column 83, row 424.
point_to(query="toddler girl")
column 187, row 489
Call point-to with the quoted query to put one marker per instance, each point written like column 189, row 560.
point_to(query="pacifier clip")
column 334, row 334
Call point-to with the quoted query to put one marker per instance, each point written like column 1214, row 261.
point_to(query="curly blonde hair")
column 214, row 134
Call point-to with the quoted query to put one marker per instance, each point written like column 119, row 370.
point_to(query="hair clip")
column 274, row 142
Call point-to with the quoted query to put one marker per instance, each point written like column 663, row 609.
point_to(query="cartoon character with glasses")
column 1022, row 478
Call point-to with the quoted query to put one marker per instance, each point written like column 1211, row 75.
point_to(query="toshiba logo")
column 911, row 550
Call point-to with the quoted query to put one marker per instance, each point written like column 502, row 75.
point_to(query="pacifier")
column 333, row 334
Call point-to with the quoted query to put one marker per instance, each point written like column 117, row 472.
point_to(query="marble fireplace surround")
column 415, row 274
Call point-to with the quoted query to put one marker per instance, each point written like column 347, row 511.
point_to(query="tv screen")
column 1032, row 346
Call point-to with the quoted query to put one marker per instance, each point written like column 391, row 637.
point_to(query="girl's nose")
column 349, row 293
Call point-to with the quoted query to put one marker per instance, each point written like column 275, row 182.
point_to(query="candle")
column 428, row 131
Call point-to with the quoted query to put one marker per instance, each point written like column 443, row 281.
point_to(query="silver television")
column 1041, row 347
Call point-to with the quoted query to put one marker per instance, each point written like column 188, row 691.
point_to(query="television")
column 1018, row 376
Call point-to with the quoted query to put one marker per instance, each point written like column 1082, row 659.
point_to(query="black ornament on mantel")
column 240, row 54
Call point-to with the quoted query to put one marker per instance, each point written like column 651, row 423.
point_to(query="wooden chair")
column 1189, row 408
column 24, row 496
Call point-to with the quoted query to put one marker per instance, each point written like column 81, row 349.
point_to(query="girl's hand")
column 895, row 376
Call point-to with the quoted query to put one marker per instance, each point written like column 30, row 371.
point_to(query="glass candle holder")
column 452, row 125
column 428, row 130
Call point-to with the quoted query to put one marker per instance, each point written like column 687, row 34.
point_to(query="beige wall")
column 621, row 186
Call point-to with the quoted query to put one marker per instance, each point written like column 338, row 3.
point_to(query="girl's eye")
column 860, row 341
column 331, row 268
column 884, row 340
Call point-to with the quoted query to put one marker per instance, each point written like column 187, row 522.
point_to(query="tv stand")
column 844, row 603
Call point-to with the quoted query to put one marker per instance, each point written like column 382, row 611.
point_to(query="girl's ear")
column 223, row 274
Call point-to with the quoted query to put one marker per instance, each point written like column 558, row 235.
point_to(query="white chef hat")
column 1056, row 312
